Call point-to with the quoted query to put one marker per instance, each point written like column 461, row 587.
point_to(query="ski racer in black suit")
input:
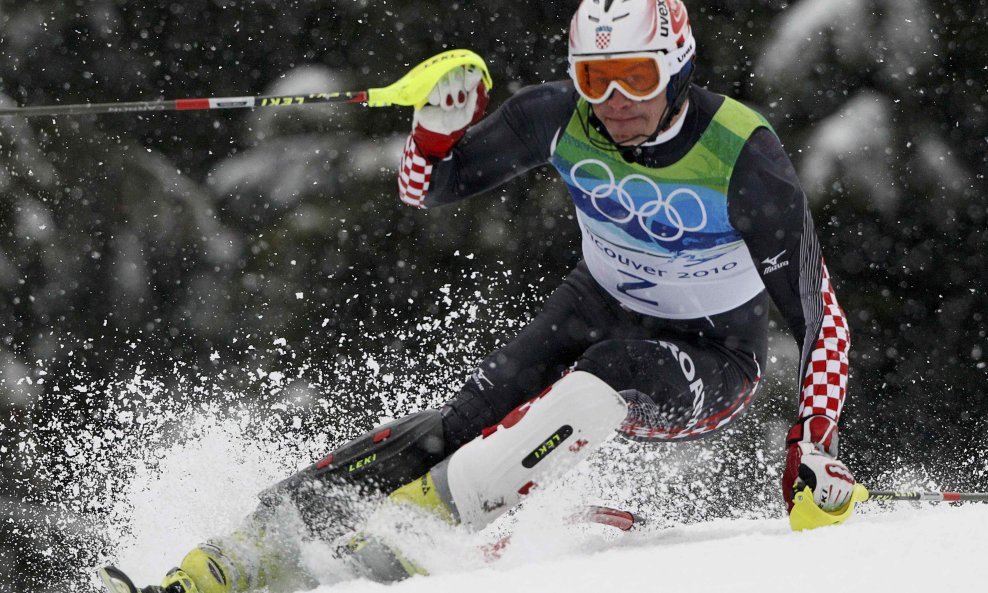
column 693, row 221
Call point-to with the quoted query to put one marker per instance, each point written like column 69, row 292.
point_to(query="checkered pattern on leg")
column 825, row 383
column 414, row 175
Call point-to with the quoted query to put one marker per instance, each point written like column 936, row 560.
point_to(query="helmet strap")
column 591, row 121
column 677, row 93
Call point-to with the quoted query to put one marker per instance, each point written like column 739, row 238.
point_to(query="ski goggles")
column 638, row 76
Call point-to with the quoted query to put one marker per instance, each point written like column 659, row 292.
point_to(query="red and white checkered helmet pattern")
column 623, row 26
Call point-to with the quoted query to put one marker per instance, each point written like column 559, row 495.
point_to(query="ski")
column 603, row 515
column 623, row 520
column 371, row 557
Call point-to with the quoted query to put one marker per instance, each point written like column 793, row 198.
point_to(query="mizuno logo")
column 771, row 261
column 774, row 264
column 479, row 378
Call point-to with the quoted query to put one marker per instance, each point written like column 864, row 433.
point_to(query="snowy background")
column 197, row 304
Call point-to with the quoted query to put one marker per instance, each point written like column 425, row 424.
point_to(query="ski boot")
column 204, row 570
column 383, row 562
column 424, row 494
column 369, row 467
column 249, row 559
column 116, row 581
column 379, row 561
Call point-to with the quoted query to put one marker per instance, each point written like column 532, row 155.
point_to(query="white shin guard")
column 537, row 442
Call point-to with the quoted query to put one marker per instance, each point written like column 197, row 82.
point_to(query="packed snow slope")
column 930, row 549
column 202, row 487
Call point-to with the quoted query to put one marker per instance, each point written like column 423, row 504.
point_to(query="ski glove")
column 457, row 101
column 811, row 460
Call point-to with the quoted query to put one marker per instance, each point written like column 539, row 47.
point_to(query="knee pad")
column 537, row 442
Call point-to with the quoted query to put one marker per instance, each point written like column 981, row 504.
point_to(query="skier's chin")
column 628, row 138
column 626, row 132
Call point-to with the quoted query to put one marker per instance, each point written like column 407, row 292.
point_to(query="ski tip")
column 623, row 520
column 116, row 581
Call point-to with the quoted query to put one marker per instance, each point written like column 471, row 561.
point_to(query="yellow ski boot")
column 423, row 493
column 206, row 569
column 251, row 558
column 383, row 562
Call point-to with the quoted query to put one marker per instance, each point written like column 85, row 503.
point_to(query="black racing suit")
column 682, row 377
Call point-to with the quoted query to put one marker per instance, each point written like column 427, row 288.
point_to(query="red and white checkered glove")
column 811, row 460
column 457, row 102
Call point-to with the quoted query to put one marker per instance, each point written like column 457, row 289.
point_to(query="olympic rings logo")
column 645, row 214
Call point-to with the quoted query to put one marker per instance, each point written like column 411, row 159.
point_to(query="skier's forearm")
column 480, row 162
column 488, row 156
column 512, row 140
column 825, row 356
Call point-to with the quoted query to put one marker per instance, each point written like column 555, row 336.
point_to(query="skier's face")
column 630, row 122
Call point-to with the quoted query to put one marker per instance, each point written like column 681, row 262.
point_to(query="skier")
column 692, row 219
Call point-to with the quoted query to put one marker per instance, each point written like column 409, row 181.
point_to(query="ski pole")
column 927, row 496
column 805, row 514
column 412, row 89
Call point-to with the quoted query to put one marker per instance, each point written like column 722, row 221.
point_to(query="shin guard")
column 537, row 442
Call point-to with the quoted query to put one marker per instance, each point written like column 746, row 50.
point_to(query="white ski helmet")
column 622, row 26
column 602, row 28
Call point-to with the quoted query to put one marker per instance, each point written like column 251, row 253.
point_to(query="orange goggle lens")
column 638, row 77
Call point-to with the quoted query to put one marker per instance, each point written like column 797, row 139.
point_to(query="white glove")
column 828, row 478
column 453, row 102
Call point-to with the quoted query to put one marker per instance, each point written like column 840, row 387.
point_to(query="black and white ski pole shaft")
column 188, row 104
column 928, row 496
column 412, row 89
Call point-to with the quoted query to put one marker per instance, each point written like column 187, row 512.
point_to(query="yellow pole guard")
column 806, row 514
column 413, row 88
